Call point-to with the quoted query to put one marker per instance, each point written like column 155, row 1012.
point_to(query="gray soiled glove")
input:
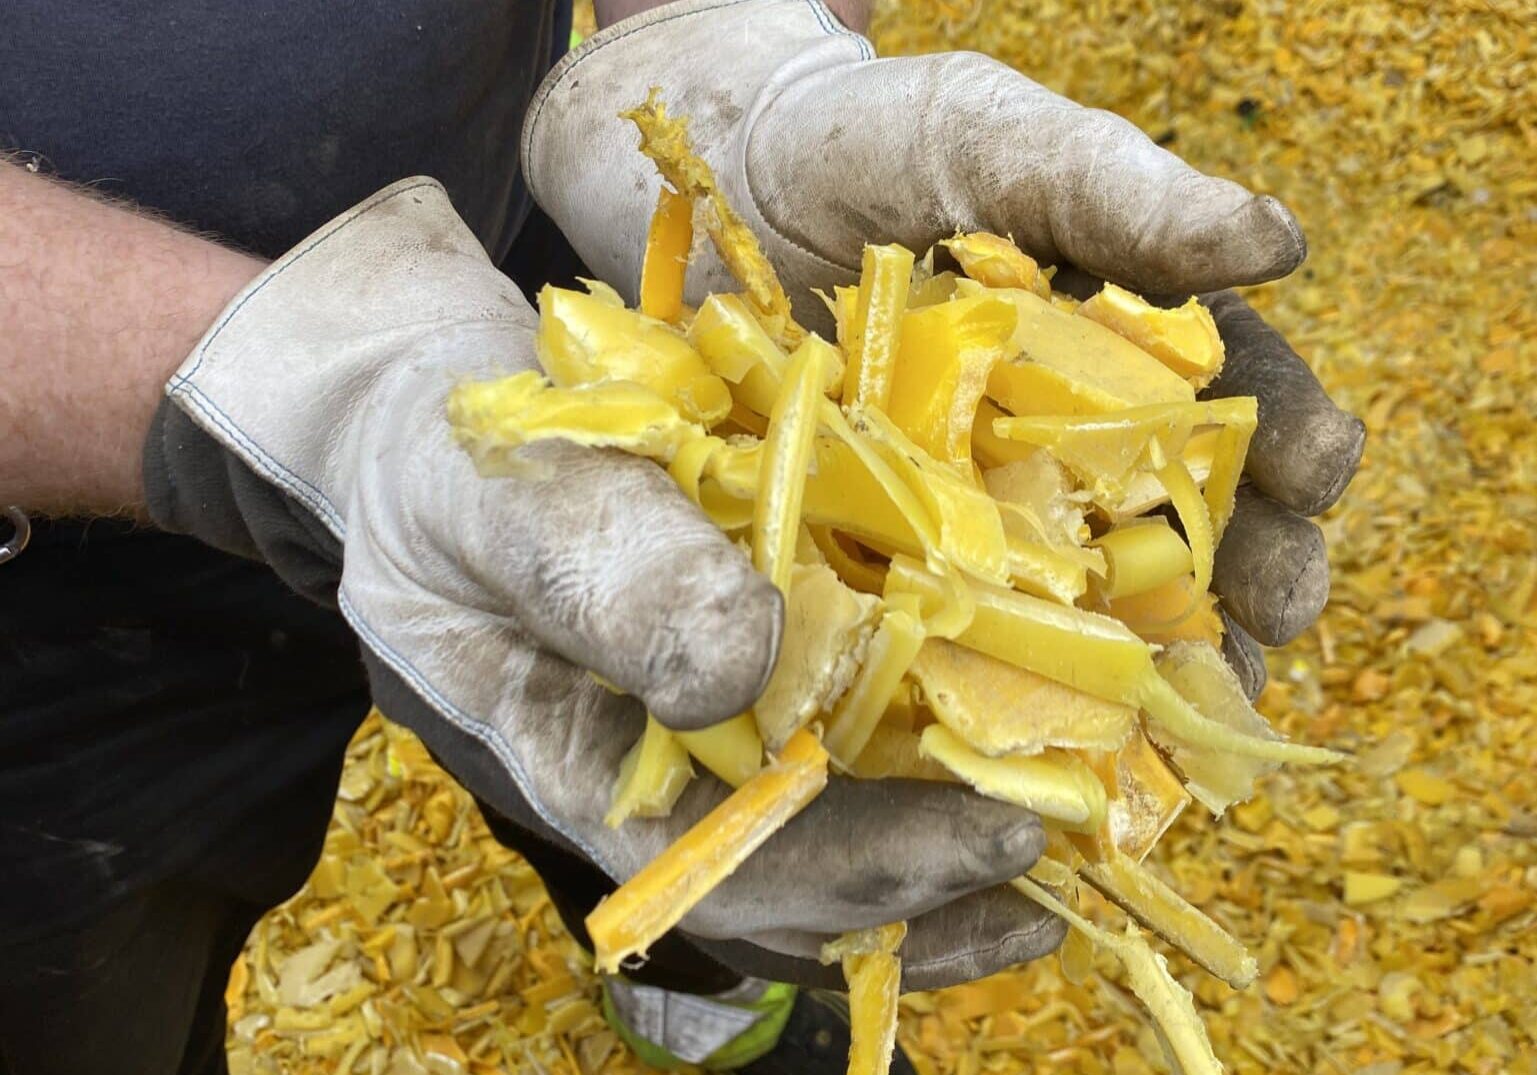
column 308, row 429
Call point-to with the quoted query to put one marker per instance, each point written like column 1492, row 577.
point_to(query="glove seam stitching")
column 476, row 729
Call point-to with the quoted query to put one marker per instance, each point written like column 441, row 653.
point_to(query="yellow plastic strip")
column 651, row 777
column 732, row 749
column 1169, row 1004
column 892, row 649
column 883, row 282
column 664, row 139
column 654, row 900
column 1193, row 515
column 667, row 246
column 787, row 457
column 1138, row 891
column 1054, row 784
column 873, row 972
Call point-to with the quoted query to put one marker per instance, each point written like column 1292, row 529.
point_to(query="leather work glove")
column 308, row 430
column 823, row 148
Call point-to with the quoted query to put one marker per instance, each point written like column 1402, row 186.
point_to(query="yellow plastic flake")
column 963, row 525
column 999, row 709
column 667, row 247
column 877, row 326
column 1362, row 888
column 1157, row 907
column 492, row 419
column 734, row 344
column 732, row 749
column 945, row 601
column 993, row 261
column 787, row 454
column 1167, row 1002
column 1216, row 778
column 654, row 900
column 1142, row 556
column 892, row 648
column 664, row 139
column 1065, row 364
column 854, row 569
column 826, row 635
column 583, row 340
column 947, row 351
column 873, row 972
column 897, row 753
column 651, row 777
column 1148, row 797
column 1107, row 450
column 1054, row 783
column 1143, row 491
column 1185, row 338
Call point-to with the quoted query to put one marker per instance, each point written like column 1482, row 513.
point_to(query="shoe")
column 815, row 1041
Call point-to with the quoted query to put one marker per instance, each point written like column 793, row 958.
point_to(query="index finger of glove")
column 963, row 940
column 1306, row 448
column 604, row 561
column 867, row 852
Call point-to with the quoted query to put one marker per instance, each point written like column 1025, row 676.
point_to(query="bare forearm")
column 855, row 14
column 100, row 306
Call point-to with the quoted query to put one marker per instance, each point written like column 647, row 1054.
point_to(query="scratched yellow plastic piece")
column 491, row 419
column 1186, row 497
column 1142, row 556
column 873, row 974
column 1185, row 339
column 1065, row 364
column 1157, row 907
column 1054, row 784
column 1205, row 680
column 827, row 630
column 892, row 648
column 664, row 139
column 787, row 454
column 583, row 340
column 666, row 259
column 651, row 776
column 736, row 346
column 1144, row 492
column 732, row 749
column 994, row 261
column 998, row 708
column 1170, row 1005
column 946, row 354
column 654, row 900
column 1147, row 798
column 877, row 325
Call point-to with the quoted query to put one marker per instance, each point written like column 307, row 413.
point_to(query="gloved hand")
column 823, row 148
column 308, row 429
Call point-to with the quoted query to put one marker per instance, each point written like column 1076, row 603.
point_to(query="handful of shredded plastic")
column 957, row 498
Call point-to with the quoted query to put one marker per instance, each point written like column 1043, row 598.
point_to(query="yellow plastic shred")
column 787, row 451
column 664, row 139
column 650, row 903
column 875, row 334
column 666, row 259
column 873, row 971
column 651, row 777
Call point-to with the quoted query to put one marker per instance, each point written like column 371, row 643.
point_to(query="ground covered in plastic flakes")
column 1392, row 904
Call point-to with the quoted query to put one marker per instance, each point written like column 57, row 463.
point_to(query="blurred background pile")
column 1393, row 903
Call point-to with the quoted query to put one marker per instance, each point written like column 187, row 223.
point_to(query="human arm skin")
column 855, row 14
column 99, row 304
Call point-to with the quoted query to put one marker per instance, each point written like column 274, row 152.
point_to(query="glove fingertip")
column 715, row 659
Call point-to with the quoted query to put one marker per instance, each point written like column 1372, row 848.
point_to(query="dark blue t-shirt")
column 159, row 700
